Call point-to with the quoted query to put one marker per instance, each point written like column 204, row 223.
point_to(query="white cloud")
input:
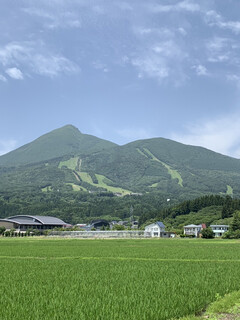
column 200, row 70
column 162, row 61
column 221, row 135
column 182, row 31
column 7, row 146
column 215, row 19
column 221, row 49
column 52, row 65
column 14, row 73
column 36, row 58
column 180, row 6
column 162, row 32
column 2, row 78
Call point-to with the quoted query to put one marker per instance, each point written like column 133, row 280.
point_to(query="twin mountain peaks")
column 66, row 159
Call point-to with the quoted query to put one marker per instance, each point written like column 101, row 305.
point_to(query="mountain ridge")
column 66, row 159
column 57, row 143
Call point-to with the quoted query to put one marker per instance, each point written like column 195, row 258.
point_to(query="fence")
column 99, row 234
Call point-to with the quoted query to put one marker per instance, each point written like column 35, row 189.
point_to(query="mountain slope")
column 66, row 159
column 162, row 164
column 64, row 141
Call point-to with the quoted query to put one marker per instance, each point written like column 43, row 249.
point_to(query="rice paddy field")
column 148, row 279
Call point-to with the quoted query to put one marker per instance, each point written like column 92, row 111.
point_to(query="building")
column 25, row 222
column 193, row 229
column 97, row 225
column 219, row 229
column 154, row 229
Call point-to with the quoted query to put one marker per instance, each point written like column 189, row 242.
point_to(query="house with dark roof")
column 25, row 222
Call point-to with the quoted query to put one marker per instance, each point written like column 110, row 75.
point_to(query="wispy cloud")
column 14, row 73
column 7, row 146
column 156, row 36
column 223, row 50
column 100, row 66
column 2, row 78
column 179, row 6
column 51, row 20
column 234, row 78
column 162, row 61
column 221, row 135
column 215, row 19
column 36, row 58
column 200, row 70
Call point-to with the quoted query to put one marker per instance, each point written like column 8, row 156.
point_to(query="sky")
column 121, row 70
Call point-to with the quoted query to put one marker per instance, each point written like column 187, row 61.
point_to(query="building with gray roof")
column 25, row 222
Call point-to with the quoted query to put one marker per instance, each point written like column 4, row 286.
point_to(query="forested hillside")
column 65, row 160
column 77, row 177
column 82, row 207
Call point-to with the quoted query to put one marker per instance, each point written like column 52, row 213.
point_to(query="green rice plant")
column 114, row 279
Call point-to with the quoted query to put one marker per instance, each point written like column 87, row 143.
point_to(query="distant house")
column 219, row 229
column 193, row 229
column 134, row 225
column 154, row 229
column 25, row 222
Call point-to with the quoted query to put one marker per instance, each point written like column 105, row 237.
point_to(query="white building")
column 193, row 229
column 154, row 229
column 219, row 229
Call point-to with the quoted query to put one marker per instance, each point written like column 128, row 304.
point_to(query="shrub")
column 2, row 230
column 207, row 233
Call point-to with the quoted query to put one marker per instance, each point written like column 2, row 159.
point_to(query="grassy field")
column 114, row 279
column 70, row 164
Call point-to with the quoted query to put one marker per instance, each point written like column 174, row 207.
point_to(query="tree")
column 235, row 225
column 227, row 209
column 207, row 233
column 2, row 230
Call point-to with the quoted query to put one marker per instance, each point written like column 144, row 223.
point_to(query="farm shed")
column 24, row 222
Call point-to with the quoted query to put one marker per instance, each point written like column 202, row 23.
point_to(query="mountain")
column 64, row 141
column 67, row 160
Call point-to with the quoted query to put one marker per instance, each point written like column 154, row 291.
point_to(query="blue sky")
column 121, row 70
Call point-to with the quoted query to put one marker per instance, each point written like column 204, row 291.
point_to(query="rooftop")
column 35, row 220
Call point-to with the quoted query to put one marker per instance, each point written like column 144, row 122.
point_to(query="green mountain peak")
column 57, row 143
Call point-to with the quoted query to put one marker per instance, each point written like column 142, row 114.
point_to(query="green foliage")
column 231, row 235
column 187, row 208
column 118, row 227
column 235, row 225
column 2, row 230
column 207, row 233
